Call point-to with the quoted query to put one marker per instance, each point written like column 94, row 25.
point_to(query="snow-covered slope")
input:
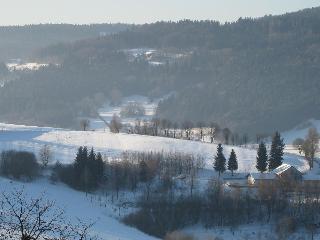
column 300, row 131
column 77, row 205
column 64, row 145
column 114, row 144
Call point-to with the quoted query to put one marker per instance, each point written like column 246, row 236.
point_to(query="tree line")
column 197, row 131
column 91, row 171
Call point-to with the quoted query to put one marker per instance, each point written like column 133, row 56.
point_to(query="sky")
column 20, row 12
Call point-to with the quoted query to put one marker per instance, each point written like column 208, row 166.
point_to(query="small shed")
column 260, row 178
column 288, row 173
column 284, row 173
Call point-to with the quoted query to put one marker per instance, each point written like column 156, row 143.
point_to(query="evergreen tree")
column 220, row 160
column 91, row 170
column 262, row 158
column 92, row 156
column 233, row 162
column 143, row 171
column 88, row 169
column 276, row 152
column 79, row 162
column 81, row 171
column 78, row 159
column 85, row 154
column 99, row 167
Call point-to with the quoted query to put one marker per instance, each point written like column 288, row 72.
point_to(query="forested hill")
column 22, row 41
column 254, row 75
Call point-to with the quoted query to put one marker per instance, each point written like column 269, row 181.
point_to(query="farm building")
column 288, row 177
column 284, row 173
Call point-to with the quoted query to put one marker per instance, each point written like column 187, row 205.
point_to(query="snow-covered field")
column 114, row 144
column 64, row 144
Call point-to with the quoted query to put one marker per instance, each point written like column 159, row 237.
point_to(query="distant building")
column 283, row 174
column 288, row 173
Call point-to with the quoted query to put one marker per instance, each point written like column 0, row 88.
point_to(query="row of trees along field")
column 200, row 131
column 264, row 162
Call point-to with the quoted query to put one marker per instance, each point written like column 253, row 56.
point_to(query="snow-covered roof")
column 271, row 175
column 263, row 176
column 279, row 170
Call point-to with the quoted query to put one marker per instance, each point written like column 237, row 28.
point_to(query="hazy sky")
column 13, row 12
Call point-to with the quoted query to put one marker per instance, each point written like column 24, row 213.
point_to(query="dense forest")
column 253, row 75
column 22, row 41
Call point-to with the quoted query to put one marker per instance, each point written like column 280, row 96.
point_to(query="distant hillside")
column 254, row 75
column 22, row 41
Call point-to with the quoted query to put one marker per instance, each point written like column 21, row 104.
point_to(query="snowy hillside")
column 114, row 144
column 64, row 144
column 300, row 131
column 77, row 205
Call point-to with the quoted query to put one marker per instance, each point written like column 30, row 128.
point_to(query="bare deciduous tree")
column 84, row 124
column 27, row 218
column 311, row 145
column 115, row 124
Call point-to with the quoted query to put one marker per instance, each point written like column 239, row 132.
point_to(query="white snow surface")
column 77, row 205
column 300, row 131
column 64, row 144
column 114, row 144
column 26, row 66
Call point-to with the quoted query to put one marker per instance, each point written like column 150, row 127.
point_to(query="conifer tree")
column 91, row 170
column 220, row 160
column 262, row 158
column 143, row 171
column 92, row 156
column 276, row 152
column 79, row 161
column 233, row 162
column 85, row 154
column 88, row 169
column 99, row 166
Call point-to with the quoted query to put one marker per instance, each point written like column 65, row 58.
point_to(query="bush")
column 178, row 236
column 19, row 165
column 285, row 227
column 63, row 173
column 153, row 219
